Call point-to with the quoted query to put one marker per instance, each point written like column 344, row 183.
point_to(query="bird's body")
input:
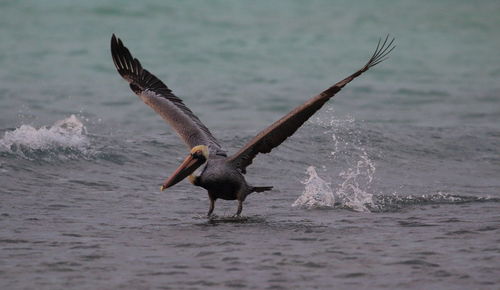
column 208, row 164
column 222, row 180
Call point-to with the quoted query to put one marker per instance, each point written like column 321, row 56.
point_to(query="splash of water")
column 317, row 192
column 356, row 181
column 352, row 186
column 64, row 139
column 350, row 194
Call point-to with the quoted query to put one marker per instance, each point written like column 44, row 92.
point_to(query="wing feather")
column 279, row 131
column 161, row 99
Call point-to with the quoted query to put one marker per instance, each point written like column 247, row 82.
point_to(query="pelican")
column 208, row 164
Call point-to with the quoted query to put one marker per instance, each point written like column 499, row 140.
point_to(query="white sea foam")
column 66, row 134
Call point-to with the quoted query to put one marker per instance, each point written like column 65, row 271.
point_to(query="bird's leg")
column 211, row 209
column 240, row 208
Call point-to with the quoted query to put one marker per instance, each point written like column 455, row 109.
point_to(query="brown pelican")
column 208, row 164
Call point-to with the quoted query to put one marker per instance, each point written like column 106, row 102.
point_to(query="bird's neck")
column 194, row 178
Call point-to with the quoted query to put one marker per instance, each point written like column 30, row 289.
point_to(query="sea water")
column 393, row 184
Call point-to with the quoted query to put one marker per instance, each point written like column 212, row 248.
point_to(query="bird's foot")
column 211, row 216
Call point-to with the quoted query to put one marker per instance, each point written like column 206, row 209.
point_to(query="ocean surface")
column 394, row 184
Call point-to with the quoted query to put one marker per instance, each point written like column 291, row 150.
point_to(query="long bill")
column 188, row 166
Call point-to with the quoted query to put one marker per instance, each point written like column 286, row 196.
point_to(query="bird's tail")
column 261, row 188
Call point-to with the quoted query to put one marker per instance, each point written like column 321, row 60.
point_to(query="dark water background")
column 394, row 184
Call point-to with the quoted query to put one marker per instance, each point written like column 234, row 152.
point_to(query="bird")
column 208, row 164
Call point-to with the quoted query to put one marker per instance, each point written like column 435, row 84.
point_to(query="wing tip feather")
column 382, row 51
column 125, row 63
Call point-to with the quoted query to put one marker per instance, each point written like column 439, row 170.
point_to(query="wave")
column 396, row 202
column 354, row 172
column 65, row 139
column 318, row 194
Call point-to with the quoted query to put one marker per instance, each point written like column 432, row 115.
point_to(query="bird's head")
column 197, row 157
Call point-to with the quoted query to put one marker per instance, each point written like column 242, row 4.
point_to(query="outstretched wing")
column 275, row 134
column 161, row 99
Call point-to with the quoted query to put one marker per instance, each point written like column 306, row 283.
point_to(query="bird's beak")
column 188, row 166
